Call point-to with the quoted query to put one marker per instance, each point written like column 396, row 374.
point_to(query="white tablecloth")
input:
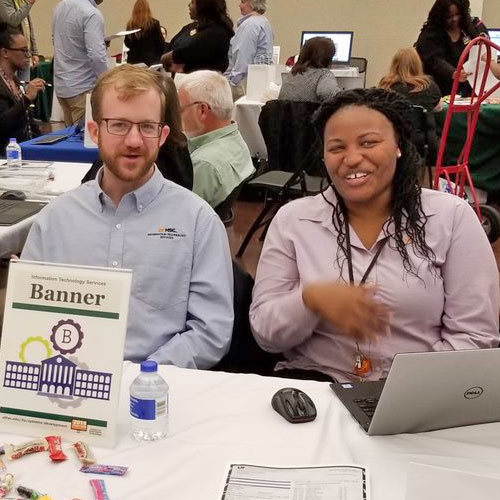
column 67, row 176
column 219, row 418
column 246, row 115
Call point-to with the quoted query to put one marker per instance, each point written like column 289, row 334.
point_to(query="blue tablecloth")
column 70, row 149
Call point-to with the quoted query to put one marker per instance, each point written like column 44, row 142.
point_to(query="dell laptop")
column 428, row 391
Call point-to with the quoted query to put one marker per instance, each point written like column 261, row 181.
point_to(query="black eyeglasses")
column 149, row 130
column 27, row 52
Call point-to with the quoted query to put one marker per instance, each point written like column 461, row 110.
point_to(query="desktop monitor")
column 341, row 39
column 494, row 35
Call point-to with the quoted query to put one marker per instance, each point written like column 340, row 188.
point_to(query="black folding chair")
column 294, row 156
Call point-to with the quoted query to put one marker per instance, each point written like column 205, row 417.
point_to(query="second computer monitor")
column 341, row 39
column 494, row 35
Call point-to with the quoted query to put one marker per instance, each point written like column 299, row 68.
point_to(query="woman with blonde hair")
column 406, row 76
column 145, row 46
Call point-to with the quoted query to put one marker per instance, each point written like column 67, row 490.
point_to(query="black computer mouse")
column 13, row 194
column 294, row 405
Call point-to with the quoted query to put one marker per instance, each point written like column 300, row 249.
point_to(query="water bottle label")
column 147, row 409
column 13, row 154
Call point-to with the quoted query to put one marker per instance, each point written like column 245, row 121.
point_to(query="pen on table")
column 26, row 83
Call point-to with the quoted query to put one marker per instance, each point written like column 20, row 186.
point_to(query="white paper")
column 120, row 33
column 435, row 483
column 87, row 140
column 259, row 79
column 61, row 355
column 254, row 482
column 470, row 67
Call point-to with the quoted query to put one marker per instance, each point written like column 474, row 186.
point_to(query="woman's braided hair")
column 406, row 208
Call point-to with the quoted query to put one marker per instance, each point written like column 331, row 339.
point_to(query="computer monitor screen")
column 494, row 35
column 341, row 39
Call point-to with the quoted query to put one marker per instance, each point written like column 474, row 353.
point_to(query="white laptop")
column 428, row 391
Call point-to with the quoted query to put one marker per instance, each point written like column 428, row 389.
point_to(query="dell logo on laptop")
column 473, row 392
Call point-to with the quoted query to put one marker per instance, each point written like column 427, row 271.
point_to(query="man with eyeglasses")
column 181, row 304
column 79, row 54
column 16, row 13
column 220, row 156
column 16, row 118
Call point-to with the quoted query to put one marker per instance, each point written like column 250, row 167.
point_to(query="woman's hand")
column 34, row 86
column 351, row 309
column 463, row 75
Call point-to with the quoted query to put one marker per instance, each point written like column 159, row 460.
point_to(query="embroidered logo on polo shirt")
column 168, row 233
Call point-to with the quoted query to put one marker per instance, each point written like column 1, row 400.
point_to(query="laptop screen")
column 341, row 39
column 494, row 35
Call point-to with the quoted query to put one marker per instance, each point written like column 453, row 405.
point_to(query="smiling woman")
column 444, row 36
column 374, row 265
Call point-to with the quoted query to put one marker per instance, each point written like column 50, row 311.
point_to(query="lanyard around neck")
column 349, row 256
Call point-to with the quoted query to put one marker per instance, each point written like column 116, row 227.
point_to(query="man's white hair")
column 210, row 87
column 258, row 5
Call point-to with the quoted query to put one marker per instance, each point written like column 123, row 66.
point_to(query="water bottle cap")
column 149, row 366
column 12, row 139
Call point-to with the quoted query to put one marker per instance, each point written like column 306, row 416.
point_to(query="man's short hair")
column 258, row 5
column 128, row 81
column 7, row 33
column 210, row 87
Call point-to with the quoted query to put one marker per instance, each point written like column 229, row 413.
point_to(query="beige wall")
column 491, row 13
column 380, row 26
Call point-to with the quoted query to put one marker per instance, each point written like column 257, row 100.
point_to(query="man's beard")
column 112, row 162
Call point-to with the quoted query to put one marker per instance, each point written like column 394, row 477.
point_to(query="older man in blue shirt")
column 181, row 304
column 79, row 53
column 252, row 44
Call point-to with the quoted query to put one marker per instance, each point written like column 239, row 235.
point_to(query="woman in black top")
column 16, row 118
column 208, row 47
column 406, row 76
column 448, row 29
column 183, row 38
column 145, row 46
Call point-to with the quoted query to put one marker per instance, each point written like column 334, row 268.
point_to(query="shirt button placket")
column 116, row 246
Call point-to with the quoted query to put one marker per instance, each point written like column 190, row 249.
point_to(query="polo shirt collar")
column 320, row 211
column 242, row 19
column 197, row 142
column 143, row 195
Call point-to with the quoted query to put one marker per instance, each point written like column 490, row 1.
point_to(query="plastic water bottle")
column 149, row 404
column 13, row 154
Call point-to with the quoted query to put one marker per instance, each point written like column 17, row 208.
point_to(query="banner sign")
column 61, row 351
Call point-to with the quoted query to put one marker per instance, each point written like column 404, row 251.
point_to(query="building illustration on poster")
column 58, row 376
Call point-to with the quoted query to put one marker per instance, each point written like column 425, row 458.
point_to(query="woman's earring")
column 399, row 154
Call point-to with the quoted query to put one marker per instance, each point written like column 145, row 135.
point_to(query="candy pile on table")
column 53, row 445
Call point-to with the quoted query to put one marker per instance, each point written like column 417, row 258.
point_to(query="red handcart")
column 458, row 176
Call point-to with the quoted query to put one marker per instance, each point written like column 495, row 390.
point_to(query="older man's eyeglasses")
column 149, row 130
column 186, row 106
column 27, row 52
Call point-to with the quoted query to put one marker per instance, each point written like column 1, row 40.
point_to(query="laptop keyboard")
column 367, row 405
column 6, row 205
